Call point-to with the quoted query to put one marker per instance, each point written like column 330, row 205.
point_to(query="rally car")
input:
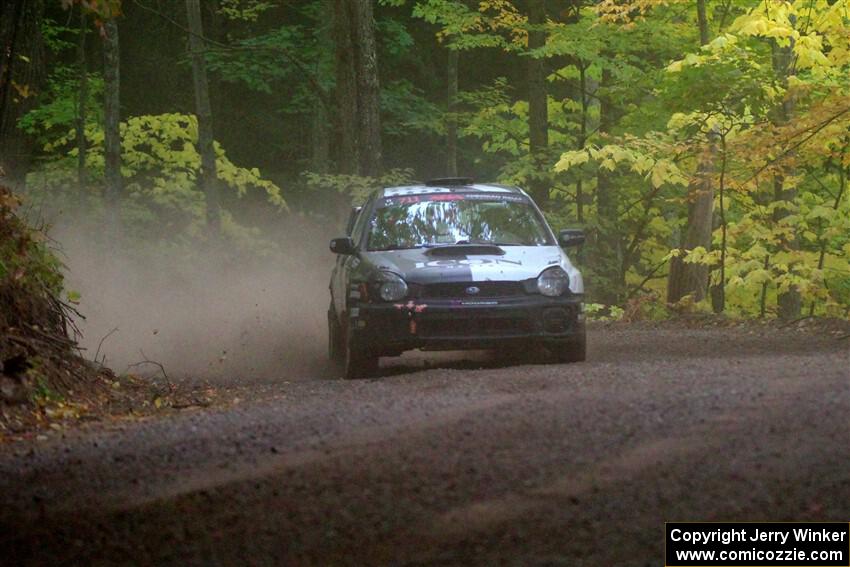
column 452, row 265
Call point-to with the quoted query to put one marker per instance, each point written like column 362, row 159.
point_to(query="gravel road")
column 474, row 462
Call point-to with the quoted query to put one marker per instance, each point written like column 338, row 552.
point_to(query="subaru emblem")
column 472, row 290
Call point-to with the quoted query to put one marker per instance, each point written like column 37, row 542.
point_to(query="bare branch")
column 100, row 344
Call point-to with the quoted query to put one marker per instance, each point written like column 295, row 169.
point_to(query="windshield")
column 441, row 219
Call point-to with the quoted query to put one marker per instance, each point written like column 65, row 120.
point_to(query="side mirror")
column 343, row 246
column 571, row 237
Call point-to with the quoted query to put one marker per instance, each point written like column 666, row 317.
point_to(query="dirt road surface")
column 474, row 462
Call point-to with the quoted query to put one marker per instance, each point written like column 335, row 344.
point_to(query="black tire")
column 334, row 338
column 357, row 362
column 574, row 350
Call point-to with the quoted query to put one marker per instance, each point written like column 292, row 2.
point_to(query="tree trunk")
column 216, row 31
column 358, row 88
column 718, row 291
column 691, row 278
column 582, row 137
column 112, row 119
column 688, row 278
column 538, row 111
column 346, row 87
column 609, row 254
column 319, row 141
column 82, row 100
column 702, row 22
column 21, row 75
column 368, row 91
column 320, row 135
column 451, row 123
column 203, row 110
column 842, row 185
column 789, row 302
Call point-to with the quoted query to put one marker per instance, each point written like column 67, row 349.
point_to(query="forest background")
column 704, row 145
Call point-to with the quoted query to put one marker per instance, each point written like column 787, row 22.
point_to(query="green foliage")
column 244, row 10
column 160, row 167
column 639, row 115
column 467, row 27
column 30, row 273
column 650, row 165
column 761, row 124
column 298, row 59
column 56, row 110
column 394, row 36
column 600, row 312
column 355, row 187
column 406, row 111
column 42, row 394
column 55, row 35
column 260, row 62
column 31, row 263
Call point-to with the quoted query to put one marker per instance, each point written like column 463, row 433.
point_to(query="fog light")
column 556, row 320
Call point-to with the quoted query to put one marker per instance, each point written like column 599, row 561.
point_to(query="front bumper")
column 456, row 324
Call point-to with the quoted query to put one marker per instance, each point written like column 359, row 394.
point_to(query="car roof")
column 435, row 187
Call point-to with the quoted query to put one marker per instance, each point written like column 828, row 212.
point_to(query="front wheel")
column 334, row 338
column 572, row 350
column 358, row 362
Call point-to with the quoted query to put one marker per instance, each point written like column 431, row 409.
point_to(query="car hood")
column 422, row 266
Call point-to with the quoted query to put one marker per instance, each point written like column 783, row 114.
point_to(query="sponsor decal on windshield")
column 444, row 197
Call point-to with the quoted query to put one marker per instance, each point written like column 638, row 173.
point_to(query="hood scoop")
column 455, row 250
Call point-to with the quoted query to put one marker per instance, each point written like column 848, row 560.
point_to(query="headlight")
column 391, row 287
column 553, row 282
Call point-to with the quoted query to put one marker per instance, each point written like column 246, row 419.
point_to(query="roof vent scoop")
column 449, row 181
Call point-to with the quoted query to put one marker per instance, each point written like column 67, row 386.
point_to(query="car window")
column 441, row 219
column 360, row 223
column 352, row 218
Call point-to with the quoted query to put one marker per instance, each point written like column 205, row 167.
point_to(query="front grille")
column 459, row 289
column 479, row 327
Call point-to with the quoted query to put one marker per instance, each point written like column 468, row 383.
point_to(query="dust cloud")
column 208, row 316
